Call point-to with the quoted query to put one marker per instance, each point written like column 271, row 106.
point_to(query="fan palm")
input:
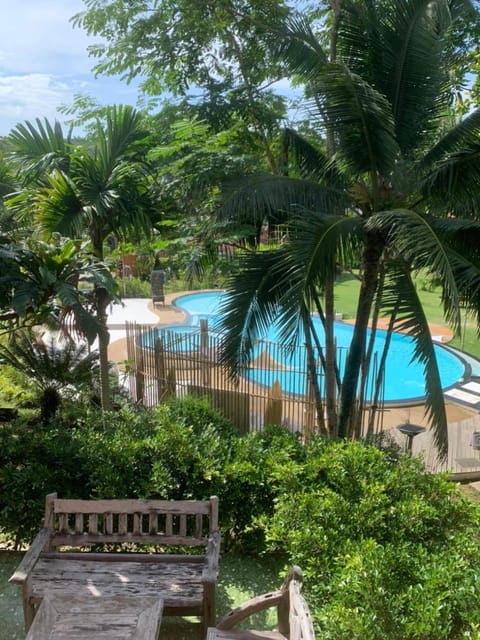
column 98, row 191
column 389, row 196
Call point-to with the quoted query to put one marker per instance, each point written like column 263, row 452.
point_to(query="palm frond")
column 416, row 239
column 38, row 149
column 455, row 181
column 59, row 207
column 463, row 136
column 313, row 163
column 361, row 118
column 250, row 307
column 317, row 245
column 462, row 241
column 400, row 294
column 276, row 198
column 300, row 49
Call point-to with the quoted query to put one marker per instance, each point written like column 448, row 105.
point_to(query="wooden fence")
column 273, row 389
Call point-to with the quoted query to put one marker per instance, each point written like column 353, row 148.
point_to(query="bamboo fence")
column 273, row 389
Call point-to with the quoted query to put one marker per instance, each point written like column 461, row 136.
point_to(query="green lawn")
column 346, row 296
column 240, row 578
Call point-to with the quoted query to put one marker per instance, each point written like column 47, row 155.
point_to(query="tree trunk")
column 356, row 353
column 103, row 300
column 331, row 388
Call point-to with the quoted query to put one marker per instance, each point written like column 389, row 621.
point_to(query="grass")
column 346, row 296
column 240, row 578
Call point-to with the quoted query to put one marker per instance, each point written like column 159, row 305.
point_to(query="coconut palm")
column 395, row 194
column 99, row 191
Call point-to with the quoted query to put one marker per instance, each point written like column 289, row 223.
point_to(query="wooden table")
column 95, row 618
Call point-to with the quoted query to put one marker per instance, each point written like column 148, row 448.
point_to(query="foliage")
column 388, row 550
column 222, row 48
column 100, row 191
column 55, row 368
column 252, row 478
column 39, row 283
column 176, row 451
column 393, row 189
column 134, row 288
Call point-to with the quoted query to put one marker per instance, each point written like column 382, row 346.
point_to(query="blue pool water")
column 404, row 377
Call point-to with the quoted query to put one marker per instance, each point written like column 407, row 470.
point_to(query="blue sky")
column 44, row 62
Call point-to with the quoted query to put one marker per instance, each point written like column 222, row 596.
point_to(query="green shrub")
column 134, row 288
column 261, row 463
column 34, row 462
column 388, row 550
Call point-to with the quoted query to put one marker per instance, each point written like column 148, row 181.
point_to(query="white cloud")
column 44, row 62
column 30, row 96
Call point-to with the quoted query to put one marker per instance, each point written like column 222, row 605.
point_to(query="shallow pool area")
column 404, row 376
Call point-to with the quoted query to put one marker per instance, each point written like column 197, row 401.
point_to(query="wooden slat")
column 157, row 558
column 168, row 525
column 92, row 523
column 65, row 505
column 183, row 526
column 136, row 524
column 160, row 539
column 122, row 524
column 29, row 560
column 79, row 523
column 108, row 519
column 153, row 523
column 198, row 525
column 63, row 522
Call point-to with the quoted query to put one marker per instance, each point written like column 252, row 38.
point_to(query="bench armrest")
column 248, row 608
column 212, row 558
column 31, row 556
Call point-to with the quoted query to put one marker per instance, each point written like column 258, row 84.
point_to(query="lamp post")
column 410, row 430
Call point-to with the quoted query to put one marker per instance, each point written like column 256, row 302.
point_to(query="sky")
column 44, row 63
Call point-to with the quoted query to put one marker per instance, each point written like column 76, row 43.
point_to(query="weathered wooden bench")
column 61, row 561
column 293, row 615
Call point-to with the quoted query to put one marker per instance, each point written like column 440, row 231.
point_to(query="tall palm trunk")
column 371, row 260
column 103, row 300
column 331, row 387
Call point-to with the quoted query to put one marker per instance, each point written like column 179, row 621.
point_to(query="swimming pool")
column 404, row 377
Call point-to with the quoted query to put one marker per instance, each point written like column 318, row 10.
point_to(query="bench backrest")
column 159, row 522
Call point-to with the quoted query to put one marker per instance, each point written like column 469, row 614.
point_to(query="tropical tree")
column 99, row 189
column 393, row 191
column 220, row 49
column 40, row 284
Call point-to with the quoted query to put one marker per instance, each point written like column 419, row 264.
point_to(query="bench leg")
column 209, row 612
column 28, row 607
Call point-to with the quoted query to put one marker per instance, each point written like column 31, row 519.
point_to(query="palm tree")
column 395, row 194
column 52, row 367
column 102, row 190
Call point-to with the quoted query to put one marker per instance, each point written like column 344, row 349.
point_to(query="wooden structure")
column 94, row 618
column 58, row 564
column 273, row 388
column 293, row 614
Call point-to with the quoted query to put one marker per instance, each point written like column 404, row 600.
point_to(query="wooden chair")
column 293, row 614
